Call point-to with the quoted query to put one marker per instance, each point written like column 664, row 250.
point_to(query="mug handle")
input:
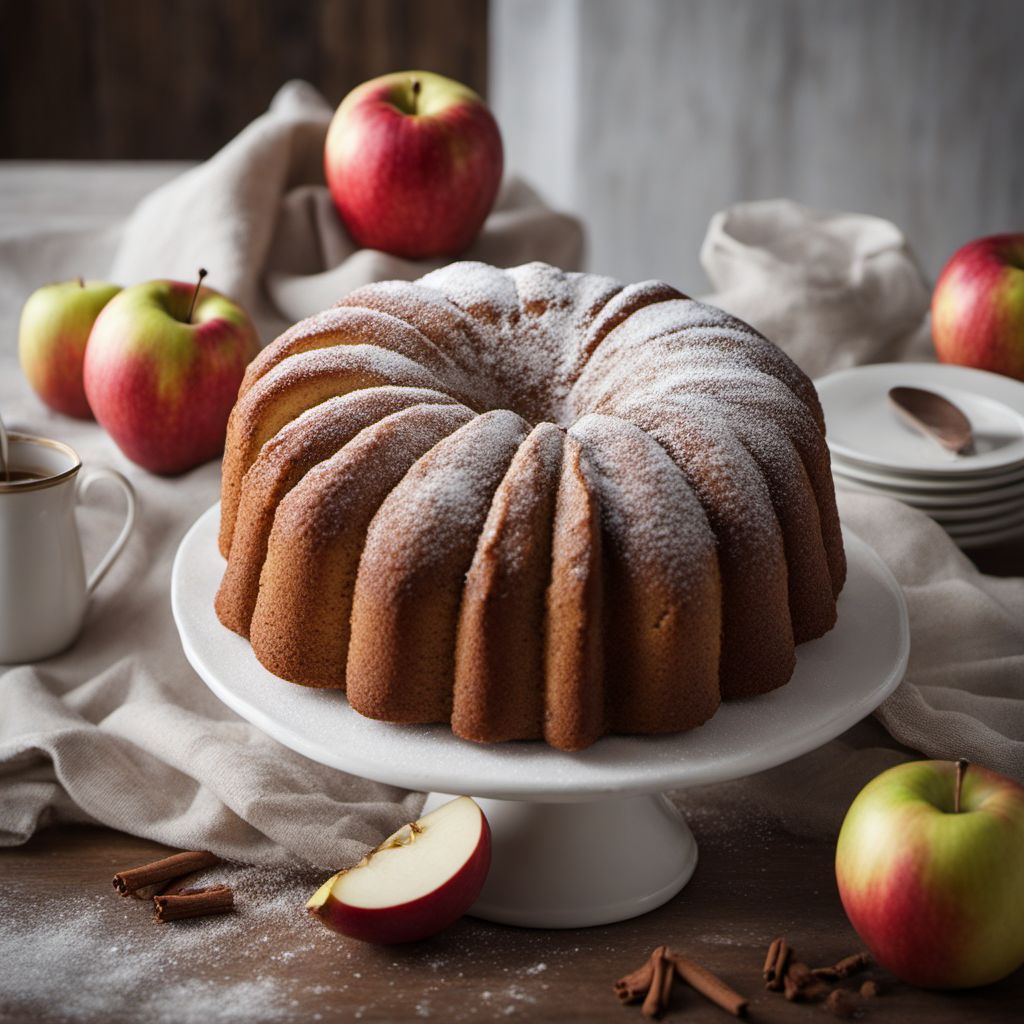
column 87, row 479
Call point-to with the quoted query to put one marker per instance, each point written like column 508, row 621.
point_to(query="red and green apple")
column 413, row 161
column 418, row 881
column 930, row 866
column 978, row 306
column 162, row 370
column 55, row 326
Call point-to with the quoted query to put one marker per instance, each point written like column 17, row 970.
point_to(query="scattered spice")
column 841, row 1003
column 164, row 870
column 652, row 982
column 801, row 986
column 213, row 899
column 825, row 973
column 853, row 964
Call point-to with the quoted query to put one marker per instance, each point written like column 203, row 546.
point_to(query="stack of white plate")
column 978, row 497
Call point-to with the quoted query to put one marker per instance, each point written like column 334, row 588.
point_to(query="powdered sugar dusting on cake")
column 529, row 323
column 652, row 511
column 322, row 423
column 396, row 440
column 531, row 481
column 665, row 428
column 449, row 490
column 376, row 363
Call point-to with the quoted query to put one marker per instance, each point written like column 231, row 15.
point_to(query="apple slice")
column 418, row 881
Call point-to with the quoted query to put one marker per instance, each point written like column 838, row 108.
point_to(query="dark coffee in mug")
column 23, row 476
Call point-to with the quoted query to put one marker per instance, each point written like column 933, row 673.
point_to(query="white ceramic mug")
column 43, row 587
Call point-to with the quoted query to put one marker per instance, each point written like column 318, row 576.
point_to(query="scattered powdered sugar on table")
column 95, row 955
column 91, row 955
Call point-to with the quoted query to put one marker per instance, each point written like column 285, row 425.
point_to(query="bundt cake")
column 533, row 504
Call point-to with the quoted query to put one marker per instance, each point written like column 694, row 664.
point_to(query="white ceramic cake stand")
column 578, row 839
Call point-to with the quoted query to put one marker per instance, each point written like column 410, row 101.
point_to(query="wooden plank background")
column 175, row 79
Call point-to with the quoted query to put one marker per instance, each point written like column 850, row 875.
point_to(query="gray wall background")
column 646, row 116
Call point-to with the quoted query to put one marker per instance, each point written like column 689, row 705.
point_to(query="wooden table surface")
column 750, row 884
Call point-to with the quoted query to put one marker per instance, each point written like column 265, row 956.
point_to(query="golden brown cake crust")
column 408, row 589
column 300, row 624
column 499, row 652
column 283, row 461
column 574, row 694
column 530, row 504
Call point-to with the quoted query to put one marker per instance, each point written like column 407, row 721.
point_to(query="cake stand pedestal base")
column 570, row 865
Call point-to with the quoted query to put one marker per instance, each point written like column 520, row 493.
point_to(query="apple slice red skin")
column 420, row 918
column 936, row 912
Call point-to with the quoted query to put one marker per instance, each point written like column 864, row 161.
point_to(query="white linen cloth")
column 119, row 730
column 832, row 289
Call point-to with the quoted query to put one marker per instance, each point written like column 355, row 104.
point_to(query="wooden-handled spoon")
column 935, row 417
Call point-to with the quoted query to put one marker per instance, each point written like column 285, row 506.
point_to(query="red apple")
column 418, row 881
column 413, row 161
column 931, row 874
column 162, row 371
column 978, row 306
column 55, row 326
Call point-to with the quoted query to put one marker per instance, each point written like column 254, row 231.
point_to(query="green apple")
column 162, row 371
column 930, row 866
column 55, row 326
column 413, row 161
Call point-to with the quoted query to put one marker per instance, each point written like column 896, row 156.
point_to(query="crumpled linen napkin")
column 259, row 217
column 832, row 289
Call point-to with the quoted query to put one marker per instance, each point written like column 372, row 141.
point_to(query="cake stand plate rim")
column 873, row 633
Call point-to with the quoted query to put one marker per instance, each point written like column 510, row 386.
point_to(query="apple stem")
column 81, row 282
column 961, row 770
column 416, row 85
column 195, row 294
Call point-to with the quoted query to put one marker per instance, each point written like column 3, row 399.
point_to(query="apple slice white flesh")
column 419, row 880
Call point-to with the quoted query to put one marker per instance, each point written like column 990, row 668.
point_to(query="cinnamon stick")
column 633, row 987
column 776, row 964
column 870, row 989
column 213, row 899
column 127, row 882
column 709, row 985
column 653, row 1005
column 666, row 986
